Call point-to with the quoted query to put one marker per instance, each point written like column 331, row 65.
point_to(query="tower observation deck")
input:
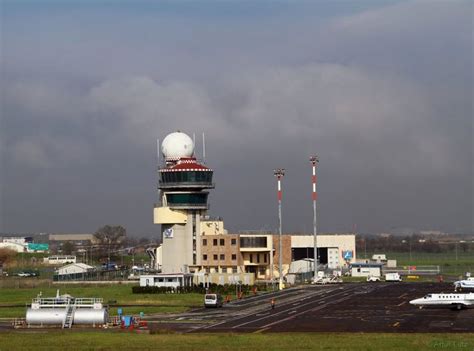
column 183, row 184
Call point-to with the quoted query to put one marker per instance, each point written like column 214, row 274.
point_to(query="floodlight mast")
column 314, row 161
column 279, row 173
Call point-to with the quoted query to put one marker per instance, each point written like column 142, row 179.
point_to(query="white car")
column 373, row 279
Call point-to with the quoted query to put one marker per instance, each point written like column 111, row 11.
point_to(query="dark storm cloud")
column 81, row 151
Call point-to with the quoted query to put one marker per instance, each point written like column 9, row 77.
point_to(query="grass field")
column 119, row 294
column 107, row 340
column 449, row 262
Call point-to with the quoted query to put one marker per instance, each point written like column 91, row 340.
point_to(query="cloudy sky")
column 382, row 91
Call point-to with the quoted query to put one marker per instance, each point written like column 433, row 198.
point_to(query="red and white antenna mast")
column 314, row 161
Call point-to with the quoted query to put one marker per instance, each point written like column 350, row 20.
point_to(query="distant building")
column 167, row 280
column 13, row 246
column 75, row 238
column 379, row 257
column 53, row 260
column 366, row 269
column 74, row 268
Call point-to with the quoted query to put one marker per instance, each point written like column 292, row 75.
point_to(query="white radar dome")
column 177, row 145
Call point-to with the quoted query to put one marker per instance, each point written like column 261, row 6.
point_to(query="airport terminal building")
column 194, row 242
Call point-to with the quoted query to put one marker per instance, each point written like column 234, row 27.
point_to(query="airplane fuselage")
column 456, row 300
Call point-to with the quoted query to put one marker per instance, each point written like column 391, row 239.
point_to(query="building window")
column 222, row 242
column 234, row 257
column 204, row 242
column 258, row 258
column 265, row 258
column 251, row 258
column 214, row 242
column 204, row 257
column 215, row 257
column 253, row 241
column 234, row 269
column 222, row 257
column 233, row 241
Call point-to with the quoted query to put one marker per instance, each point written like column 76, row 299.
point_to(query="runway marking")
column 291, row 312
column 313, row 294
column 396, row 324
column 403, row 295
column 402, row 303
column 260, row 331
column 303, row 312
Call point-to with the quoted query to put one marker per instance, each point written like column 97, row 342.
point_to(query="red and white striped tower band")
column 279, row 173
column 314, row 161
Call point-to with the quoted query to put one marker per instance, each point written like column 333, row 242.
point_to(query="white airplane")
column 455, row 301
column 464, row 284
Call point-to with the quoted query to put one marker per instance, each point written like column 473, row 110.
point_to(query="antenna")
column 158, row 151
column 203, row 149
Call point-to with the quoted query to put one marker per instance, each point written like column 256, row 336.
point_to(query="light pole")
column 314, row 160
column 279, row 173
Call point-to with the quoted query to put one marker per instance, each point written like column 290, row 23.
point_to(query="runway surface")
column 358, row 307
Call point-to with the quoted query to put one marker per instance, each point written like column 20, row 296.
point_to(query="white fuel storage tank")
column 56, row 316
column 45, row 316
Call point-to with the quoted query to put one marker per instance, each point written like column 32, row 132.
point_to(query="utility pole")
column 279, row 173
column 314, row 161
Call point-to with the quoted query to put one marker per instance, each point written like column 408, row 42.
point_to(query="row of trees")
column 109, row 243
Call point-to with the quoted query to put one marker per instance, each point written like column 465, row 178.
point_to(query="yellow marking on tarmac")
column 396, row 324
column 401, row 303
column 260, row 330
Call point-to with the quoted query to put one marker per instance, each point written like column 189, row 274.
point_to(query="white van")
column 213, row 300
column 393, row 277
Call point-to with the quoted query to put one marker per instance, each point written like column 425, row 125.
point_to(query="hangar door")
column 299, row 253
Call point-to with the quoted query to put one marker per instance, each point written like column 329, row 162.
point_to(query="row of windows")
column 221, row 257
column 186, row 176
column 220, row 241
column 258, row 258
column 200, row 198
column 253, row 241
column 216, row 269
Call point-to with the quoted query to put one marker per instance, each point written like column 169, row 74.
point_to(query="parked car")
column 373, row 279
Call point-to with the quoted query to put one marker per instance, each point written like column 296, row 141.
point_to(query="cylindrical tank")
column 53, row 316
column 45, row 316
column 90, row 316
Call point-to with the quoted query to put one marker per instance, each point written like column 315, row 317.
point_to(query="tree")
column 110, row 239
column 67, row 248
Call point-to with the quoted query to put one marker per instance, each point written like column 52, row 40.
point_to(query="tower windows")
column 204, row 242
column 221, row 242
column 214, row 242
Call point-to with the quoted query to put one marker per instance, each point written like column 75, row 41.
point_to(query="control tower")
column 182, row 184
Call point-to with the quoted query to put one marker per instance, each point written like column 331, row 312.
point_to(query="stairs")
column 71, row 307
